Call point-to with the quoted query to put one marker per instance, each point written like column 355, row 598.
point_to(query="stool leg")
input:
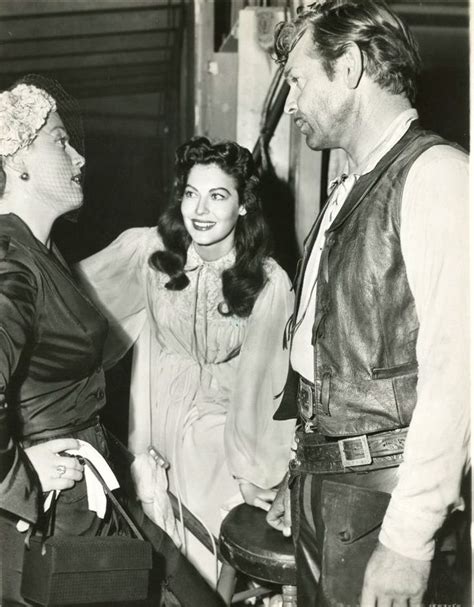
column 226, row 583
column 289, row 596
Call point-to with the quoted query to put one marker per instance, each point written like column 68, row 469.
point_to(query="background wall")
column 128, row 63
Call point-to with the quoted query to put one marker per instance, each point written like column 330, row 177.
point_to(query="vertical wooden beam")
column 188, row 69
column 256, row 70
column 223, row 91
column 204, row 49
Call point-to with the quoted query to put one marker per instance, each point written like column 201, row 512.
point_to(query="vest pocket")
column 326, row 391
column 395, row 371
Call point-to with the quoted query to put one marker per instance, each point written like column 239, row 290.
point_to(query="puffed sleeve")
column 258, row 447
column 115, row 280
column 20, row 489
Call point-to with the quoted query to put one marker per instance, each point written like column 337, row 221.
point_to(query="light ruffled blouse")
column 204, row 386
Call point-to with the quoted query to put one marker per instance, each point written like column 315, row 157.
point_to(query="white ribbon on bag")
column 96, row 497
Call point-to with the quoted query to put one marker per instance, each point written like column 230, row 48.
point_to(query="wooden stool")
column 248, row 544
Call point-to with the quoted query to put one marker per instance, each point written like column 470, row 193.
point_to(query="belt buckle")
column 355, row 451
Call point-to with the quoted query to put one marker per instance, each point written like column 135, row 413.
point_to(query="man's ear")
column 353, row 65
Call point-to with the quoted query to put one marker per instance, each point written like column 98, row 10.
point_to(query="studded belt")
column 318, row 455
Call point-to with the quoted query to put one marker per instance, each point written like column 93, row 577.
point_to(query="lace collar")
column 194, row 261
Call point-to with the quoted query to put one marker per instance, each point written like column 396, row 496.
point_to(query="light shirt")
column 302, row 350
column 434, row 244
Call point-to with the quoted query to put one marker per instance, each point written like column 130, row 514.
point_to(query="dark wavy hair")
column 391, row 56
column 242, row 282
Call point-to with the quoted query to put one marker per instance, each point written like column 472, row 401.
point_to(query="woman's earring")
column 242, row 211
column 24, row 176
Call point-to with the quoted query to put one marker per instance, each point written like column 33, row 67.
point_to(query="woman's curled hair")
column 242, row 282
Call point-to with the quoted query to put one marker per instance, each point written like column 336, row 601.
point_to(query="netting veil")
column 56, row 174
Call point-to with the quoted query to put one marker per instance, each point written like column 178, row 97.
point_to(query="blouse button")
column 100, row 394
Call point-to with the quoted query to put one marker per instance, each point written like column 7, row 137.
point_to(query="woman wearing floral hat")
column 51, row 340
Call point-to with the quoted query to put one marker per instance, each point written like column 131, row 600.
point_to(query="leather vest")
column 366, row 325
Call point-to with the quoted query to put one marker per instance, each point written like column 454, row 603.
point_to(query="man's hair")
column 389, row 50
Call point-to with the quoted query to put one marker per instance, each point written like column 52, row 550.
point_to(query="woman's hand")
column 256, row 496
column 55, row 471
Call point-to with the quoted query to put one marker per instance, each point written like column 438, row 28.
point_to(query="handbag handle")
column 47, row 520
column 118, row 506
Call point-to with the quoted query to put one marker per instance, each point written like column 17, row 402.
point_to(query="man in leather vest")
column 379, row 333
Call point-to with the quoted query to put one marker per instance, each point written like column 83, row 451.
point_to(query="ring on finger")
column 61, row 469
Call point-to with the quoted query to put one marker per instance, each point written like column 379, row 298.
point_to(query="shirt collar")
column 394, row 132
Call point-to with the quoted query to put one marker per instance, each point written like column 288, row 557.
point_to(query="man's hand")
column 279, row 515
column 393, row 579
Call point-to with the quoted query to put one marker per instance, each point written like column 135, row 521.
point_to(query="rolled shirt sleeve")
column 434, row 240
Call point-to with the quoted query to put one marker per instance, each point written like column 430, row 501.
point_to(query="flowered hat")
column 23, row 111
column 25, row 107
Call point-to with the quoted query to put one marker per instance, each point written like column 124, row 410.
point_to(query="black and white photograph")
column 235, row 303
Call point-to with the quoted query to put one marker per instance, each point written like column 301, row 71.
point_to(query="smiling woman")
column 206, row 307
column 210, row 209
column 216, row 182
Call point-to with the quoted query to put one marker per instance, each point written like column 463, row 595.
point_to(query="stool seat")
column 249, row 544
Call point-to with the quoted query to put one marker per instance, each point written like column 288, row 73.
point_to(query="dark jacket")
column 51, row 340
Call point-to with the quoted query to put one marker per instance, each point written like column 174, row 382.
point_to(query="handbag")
column 65, row 570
